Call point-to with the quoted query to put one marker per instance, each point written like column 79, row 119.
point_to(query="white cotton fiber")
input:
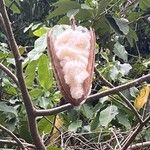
column 72, row 49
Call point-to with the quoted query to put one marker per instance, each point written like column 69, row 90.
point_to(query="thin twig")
column 13, row 136
column 118, row 143
column 139, row 145
column 9, row 73
column 93, row 97
column 19, row 73
column 2, row 24
column 12, row 142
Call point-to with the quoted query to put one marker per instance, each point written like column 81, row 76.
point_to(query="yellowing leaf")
column 142, row 98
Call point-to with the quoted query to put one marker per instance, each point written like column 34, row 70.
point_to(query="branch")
column 2, row 24
column 13, row 136
column 131, row 137
column 129, row 104
column 19, row 73
column 139, row 145
column 54, row 111
column 11, row 142
column 9, row 73
column 94, row 96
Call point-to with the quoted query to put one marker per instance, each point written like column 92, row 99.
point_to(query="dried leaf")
column 142, row 98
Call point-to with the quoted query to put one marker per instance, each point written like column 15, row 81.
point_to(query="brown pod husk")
column 59, row 75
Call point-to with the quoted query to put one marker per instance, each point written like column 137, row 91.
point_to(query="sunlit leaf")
column 142, row 98
column 72, row 12
column 44, row 72
column 12, row 6
column 44, row 102
column 22, row 49
column 122, row 24
column 39, row 46
column 44, row 124
column 30, row 73
column 133, row 91
column 120, row 51
column 114, row 73
column 36, row 92
column 41, row 31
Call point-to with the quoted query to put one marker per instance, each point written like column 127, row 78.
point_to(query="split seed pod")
column 71, row 50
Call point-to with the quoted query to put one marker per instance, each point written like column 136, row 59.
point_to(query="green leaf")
column 10, row 89
column 122, row 24
column 44, row 72
column 72, row 12
column 22, row 49
column 132, row 37
column 95, row 122
column 44, row 125
column 35, row 26
column 30, row 73
column 39, row 46
column 144, row 4
column 133, row 16
column 102, row 4
column 84, row 14
column 63, row 6
column 44, row 102
column 133, row 91
column 13, row 7
column 124, row 68
column 36, row 92
column 27, row 28
column 3, row 55
column 39, row 32
column 120, row 51
column 7, row 109
column 85, row 6
column 147, row 134
column 53, row 148
column 97, row 107
column 23, row 129
column 114, row 72
column 107, row 115
column 87, row 111
column 123, row 119
column 75, row 125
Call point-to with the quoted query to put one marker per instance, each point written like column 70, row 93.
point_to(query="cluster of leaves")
column 122, row 54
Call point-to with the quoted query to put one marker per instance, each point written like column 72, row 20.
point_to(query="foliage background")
column 122, row 55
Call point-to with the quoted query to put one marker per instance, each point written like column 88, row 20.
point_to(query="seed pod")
column 72, row 55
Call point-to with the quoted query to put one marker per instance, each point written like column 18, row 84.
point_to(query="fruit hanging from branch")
column 71, row 49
